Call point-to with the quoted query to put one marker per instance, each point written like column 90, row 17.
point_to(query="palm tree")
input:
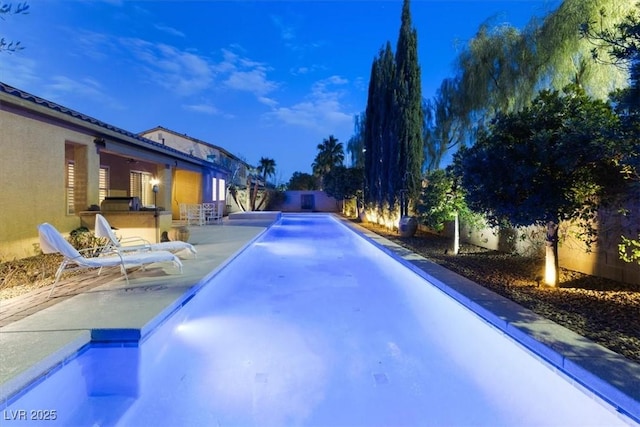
column 266, row 167
column 330, row 154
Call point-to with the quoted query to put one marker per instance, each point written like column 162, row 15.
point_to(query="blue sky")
column 259, row 78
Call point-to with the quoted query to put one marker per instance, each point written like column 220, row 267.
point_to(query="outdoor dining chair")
column 51, row 241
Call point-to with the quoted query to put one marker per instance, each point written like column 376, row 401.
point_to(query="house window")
column 103, row 184
column 71, row 182
column 140, row 186
column 221, row 190
column 218, row 190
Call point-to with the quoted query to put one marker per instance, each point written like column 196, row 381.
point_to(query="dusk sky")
column 258, row 78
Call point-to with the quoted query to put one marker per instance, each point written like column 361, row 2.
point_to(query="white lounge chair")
column 135, row 244
column 51, row 241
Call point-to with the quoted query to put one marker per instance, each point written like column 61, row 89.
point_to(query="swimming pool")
column 313, row 325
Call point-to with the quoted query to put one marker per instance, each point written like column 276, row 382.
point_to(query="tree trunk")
column 263, row 200
column 455, row 244
column 551, row 255
column 234, row 194
column 252, row 194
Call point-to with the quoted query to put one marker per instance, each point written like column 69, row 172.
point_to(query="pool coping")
column 594, row 368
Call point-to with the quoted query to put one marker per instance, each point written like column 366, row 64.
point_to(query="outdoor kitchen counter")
column 132, row 223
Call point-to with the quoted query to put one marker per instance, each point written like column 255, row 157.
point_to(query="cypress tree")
column 409, row 114
column 388, row 140
column 370, row 132
column 393, row 128
column 379, row 129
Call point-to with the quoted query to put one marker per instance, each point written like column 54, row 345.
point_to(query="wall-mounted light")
column 155, row 185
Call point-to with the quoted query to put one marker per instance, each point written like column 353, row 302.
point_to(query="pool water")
column 313, row 325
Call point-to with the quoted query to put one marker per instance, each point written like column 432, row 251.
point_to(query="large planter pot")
column 179, row 233
column 408, row 226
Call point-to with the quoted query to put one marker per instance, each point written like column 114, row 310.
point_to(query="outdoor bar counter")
column 132, row 223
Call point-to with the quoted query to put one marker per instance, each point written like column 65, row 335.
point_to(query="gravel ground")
column 603, row 310
column 24, row 275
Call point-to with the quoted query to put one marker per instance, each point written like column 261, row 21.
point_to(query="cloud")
column 19, row 71
column 287, row 32
column 244, row 74
column 303, row 70
column 267, row 101
column 202, row 108
column 184, row 73
column 290, row 37
column 322, row 109
column 96, row 46
column 170, row 30
column 61, row 87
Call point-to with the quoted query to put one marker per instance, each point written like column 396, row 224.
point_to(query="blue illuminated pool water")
column 313, row 325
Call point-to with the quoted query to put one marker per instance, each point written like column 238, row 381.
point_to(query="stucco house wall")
column 32, row 176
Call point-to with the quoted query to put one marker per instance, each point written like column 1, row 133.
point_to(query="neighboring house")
column 57, row 163
column 238, row 168
column 241, row 174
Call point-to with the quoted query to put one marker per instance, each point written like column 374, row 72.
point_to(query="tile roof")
column 10, row 90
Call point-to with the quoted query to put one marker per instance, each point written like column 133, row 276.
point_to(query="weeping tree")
column 355, row 145
column 6, row 9
column 555, row 160
column 501, row 69
column 443, row 124
column 497, row 71
column 567, row 56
